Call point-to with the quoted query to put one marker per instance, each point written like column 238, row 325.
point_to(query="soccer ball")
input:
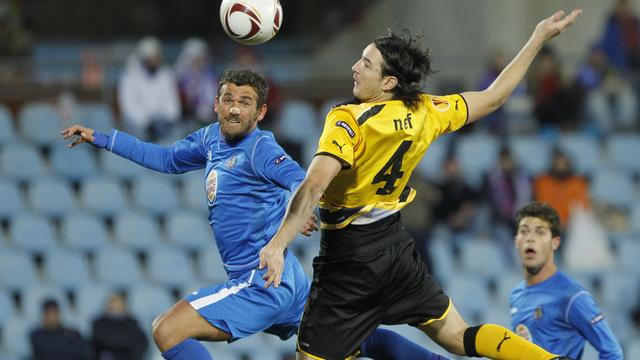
column 251, row 22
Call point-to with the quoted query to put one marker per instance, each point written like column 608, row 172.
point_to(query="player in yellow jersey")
column 368, row 272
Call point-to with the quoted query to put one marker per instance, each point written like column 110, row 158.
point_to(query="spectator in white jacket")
column 147, row 93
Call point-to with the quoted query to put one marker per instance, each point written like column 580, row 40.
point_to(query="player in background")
column 550, row 308
column 368, row 271
column 246, row 172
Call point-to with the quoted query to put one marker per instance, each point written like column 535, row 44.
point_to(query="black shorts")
column 366, row 275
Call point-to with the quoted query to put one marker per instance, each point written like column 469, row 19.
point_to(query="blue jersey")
column 560, row 315
column 247, row 184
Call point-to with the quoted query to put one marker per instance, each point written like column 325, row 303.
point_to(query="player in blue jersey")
column 248, row 178
column 550, row 308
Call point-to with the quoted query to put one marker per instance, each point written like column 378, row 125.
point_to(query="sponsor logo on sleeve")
column 597, row 319
column 440, row 103
column 346, row 126
column 281, row 158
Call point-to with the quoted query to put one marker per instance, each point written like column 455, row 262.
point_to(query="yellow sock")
column 496, row 342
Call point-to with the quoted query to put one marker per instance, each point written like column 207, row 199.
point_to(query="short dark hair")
column 405, row 59
column 50, row 304
column 542, row 211
column 242, row 77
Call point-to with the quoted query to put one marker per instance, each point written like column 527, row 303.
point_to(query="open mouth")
column 529, row 252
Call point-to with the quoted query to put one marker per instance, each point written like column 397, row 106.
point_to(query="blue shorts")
column 242, row 307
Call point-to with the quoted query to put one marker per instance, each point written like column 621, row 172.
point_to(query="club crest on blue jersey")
column 524, row 332
column 211, row 186
column 232, row 162
column 538, row 313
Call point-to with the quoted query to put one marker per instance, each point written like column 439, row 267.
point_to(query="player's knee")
column 160, row 329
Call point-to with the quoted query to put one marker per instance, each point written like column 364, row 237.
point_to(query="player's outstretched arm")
column 320, row 174
column 482, row 103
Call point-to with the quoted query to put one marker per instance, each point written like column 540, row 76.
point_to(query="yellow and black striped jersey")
column 379, row 145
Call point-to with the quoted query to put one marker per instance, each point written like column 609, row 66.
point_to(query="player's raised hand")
column 84, row 134
column 272, row 256
column 309, row 226
column 555, row 24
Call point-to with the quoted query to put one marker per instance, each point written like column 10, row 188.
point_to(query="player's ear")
column 555, row 243
column 515, row 241
column 215, row 104
column 262, row 111
column 389, row 82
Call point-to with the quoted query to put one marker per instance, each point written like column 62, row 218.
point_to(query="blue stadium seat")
column 613, row 188
column 155, row 194
column 66, row 269
column 616, row 290
column 483, row 257
column 299, row 122
column 584, row 152
column 193, row 191
column 7, row 134
column 16, row 270
column 40, row 123
column 116, row 267
column 74, row 164
column 444, row 263
column 497, row 315
column 635, row 218
column 84, row 232
column 121, row 168
column 21, row 162
column 189, row 230
column 97, row 116
column 460, row 287
column 148, row 301
column 35, row 295
column 632, row 350
column 476, row 154
column 7, row 310
column 90, row 300
column 622, row 150
column 531, row 153
column 32, row 233
column 51, row 196
column 628, row 250
column 169, row 266
column 11, row 196
column 16, row 342
column 136, row 230
column 102, row 196
column 430, row 167
column 505, row 283
column 211, row 268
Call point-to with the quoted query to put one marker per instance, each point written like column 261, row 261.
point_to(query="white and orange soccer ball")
column 251, row 22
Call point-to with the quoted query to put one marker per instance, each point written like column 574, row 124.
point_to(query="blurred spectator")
column 197, row 81
column 508, row 188
column 556, row 104
column 53, row 341
column 621, row 38
column 116, row 334
column 147, row 93
column 14, row 38
column 611, row 103
column 561, row 187
column 92, row 71
column 456, row 204
column 496, row 122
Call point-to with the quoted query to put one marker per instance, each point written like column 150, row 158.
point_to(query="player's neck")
column 546, row 272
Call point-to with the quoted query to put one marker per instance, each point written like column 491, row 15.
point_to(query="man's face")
column 238, row 112
column 367, row 75
column 535, row 244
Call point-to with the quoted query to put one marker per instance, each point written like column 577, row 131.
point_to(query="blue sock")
column 189, row 349
column 386, row 345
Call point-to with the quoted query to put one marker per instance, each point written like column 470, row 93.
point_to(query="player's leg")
column 175, row 331
column 385, row 344
column 488, row 340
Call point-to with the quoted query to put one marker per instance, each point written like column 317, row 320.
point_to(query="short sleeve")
column 449, row 112
column 584, row 314
column 273, row 164
column 340, row 137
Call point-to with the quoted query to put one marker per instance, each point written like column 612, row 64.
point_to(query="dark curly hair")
column 542, row 211
column 405, row 59
column 247, row 77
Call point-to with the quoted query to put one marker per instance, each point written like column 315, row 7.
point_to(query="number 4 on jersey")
column 393, row 167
